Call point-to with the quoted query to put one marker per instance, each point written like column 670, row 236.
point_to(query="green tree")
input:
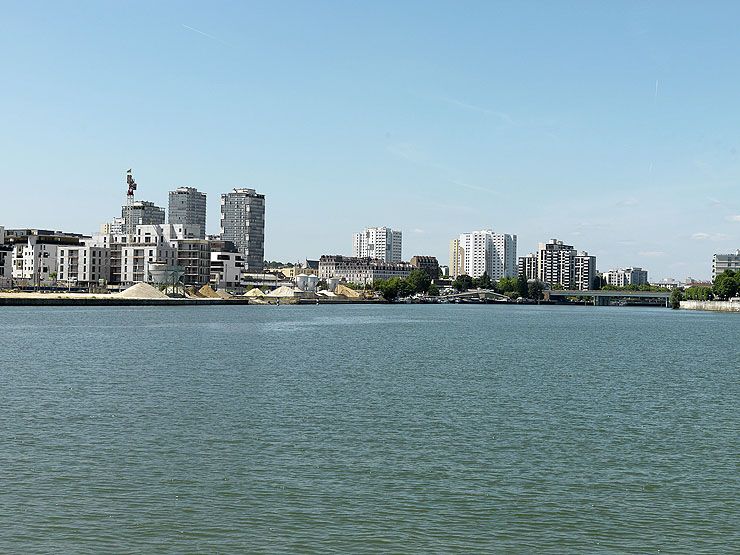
column 508, row 284
column 419, row 281
column 726, row 285
column 698, row 293
column 534, row 290
column 433, row 290
column 462, row 283
column 389, row 288
column 521, row 286
column 676, row 298
column 483, row 282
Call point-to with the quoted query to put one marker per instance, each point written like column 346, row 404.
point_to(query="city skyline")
column 455, row 120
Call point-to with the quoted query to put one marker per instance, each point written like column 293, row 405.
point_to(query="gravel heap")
column 142, row 291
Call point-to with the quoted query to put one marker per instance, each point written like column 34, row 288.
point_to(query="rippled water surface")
column 352, row 429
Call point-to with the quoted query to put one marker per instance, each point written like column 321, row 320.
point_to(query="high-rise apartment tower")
column 243, row 223
column 382, row 243
column 188, row 206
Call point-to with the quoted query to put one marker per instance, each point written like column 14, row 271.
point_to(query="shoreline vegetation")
column 417, row 287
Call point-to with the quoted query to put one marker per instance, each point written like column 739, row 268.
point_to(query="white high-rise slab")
column 381, row 243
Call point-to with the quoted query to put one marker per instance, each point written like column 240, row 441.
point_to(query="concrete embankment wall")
column 719, row 306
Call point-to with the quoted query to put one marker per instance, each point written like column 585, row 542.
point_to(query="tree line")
column 725, row 286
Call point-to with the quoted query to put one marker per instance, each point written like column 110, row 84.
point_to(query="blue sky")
column 612, row 126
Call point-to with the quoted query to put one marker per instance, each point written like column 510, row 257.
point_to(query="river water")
column 353, row 429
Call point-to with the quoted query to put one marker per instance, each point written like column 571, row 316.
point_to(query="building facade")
column 84, row 264
column 482, row 252
column 427, row 263
column 227, row 269
column 6, row 260
column 625, row 277
column 157, row 247
column 243, row 223
column 381, row 243
column 141, row 212
column 558, row 264
column 360, row 270
column 457, row 259
column 584, row 271
column 187, row 206
column 722, row 262
column 34, row 254
column 527, row 266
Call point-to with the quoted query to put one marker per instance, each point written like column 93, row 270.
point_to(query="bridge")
column 477, row 294
column 602, row 297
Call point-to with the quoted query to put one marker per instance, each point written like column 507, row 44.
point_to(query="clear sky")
column 612, row 126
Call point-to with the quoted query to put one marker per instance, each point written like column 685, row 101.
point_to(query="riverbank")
column 715, row 306
column 86, row 299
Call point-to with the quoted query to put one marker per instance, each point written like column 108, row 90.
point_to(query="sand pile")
column 142, row 291
column 282, row 291
column 192, row 293
column 224, row 294
column 208, row 292
column 346, row 291
column 256, row 292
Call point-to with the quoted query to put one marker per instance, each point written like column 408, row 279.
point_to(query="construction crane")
column 130, row 205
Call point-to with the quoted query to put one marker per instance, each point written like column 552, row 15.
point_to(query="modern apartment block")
column 556, row 263
column 722, row 262
column 187, row 206
column 625, row 277
column 482, row 252
column 34, row 255
column 141, row 212
column 527, row 266
column 168, row 245
column 227, row 269
column 584, row 271
column 360, row 270
column 84, row 264
column 381, row 243
column 243, row 223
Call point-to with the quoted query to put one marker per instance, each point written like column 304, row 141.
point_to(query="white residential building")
column 487, row 252
column 167, row 245
column 722, row 262
column 584, row 271
column 227, row 269
column 84, row 264
column 34, row 258
column 243, row 223
column 381, row 243
column 556, row 263
column 625, row 277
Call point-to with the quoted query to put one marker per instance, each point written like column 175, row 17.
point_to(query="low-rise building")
column 427, row 263
column 722, row 262
column 360, row 270
column 227, row 269
column 34, row 258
